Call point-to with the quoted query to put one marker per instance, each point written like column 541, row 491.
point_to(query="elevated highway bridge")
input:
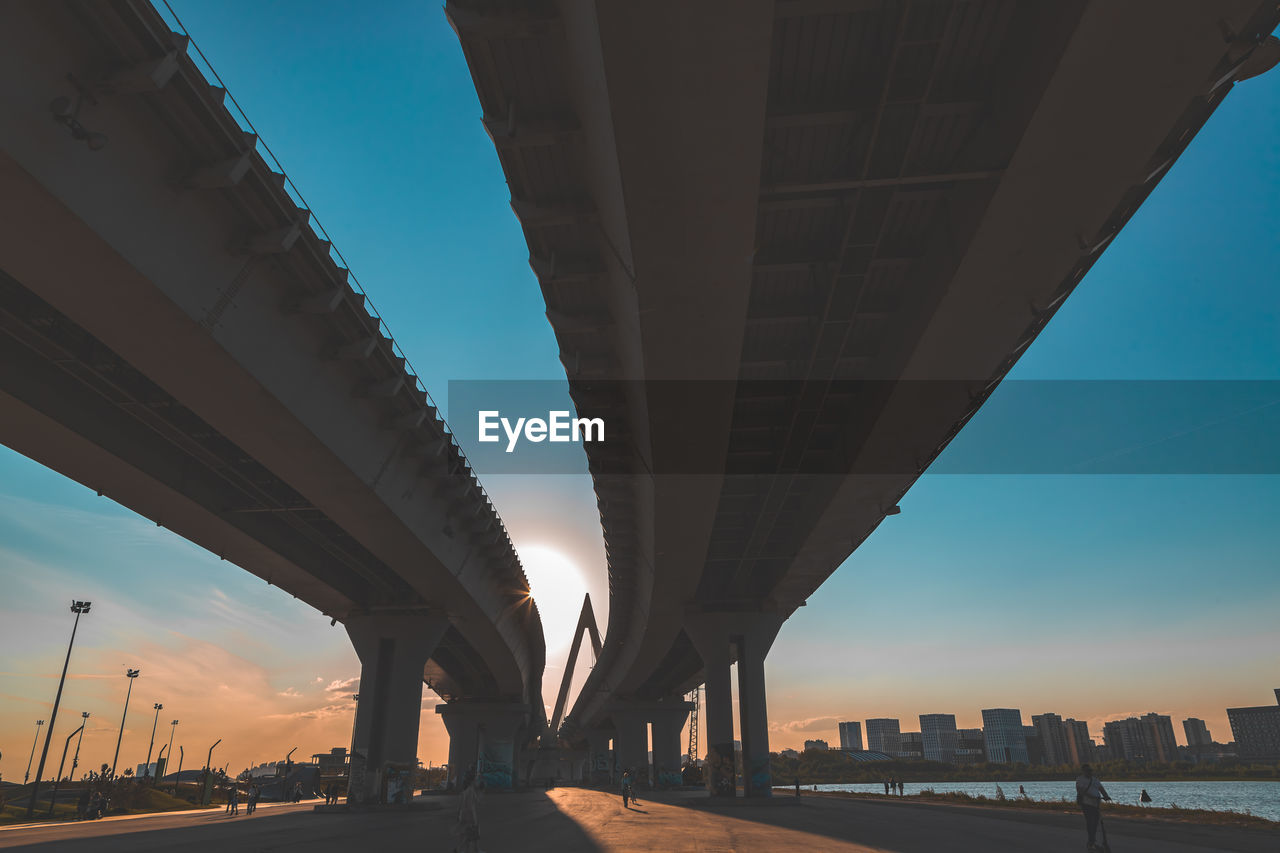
column 788, row 248
column 175, row 334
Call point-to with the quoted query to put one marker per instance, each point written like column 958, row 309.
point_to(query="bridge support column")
column 393, row 648
column 464, row 744
column 667, row 726
column 482, row 736
column 600, row 763
column 631, row 744
column 719, row 637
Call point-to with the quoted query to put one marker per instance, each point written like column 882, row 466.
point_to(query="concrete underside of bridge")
column 176, row 336
column 823, row 232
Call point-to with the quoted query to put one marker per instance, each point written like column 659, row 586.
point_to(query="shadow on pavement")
column 914, row 827
column 526, row 822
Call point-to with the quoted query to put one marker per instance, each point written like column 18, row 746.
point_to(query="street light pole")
column 57, row 781
column 172, row 728
column 75, row 761
column 152, row 745
column 27, row 776
column 131, row 675
column 77, row 607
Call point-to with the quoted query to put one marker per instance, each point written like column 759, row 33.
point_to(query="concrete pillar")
column 464, row 745
column 719, row 637
column 484, row 736
column 753, row 643
column 667, row 726
column 393, row 647
column 631, row 744
column 600, row 761
column 712, row 643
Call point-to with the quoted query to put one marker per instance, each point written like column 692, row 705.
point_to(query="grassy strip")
column 1198, row 816
column 146, row 801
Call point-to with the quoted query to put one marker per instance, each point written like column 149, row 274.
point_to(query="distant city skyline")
column 1147, row 736
column 1100, row 598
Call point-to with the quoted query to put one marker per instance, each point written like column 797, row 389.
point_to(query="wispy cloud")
column 325, row 712
column 807, row 726
column 343, row 685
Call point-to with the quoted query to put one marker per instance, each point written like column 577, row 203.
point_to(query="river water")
column 1257, row 798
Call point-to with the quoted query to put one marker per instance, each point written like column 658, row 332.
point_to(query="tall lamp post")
column 57, row 780
column 131, row 675
column 77, row 607
column 26, row 777
column 172, row 728
column 159, row 707
column 75, row 761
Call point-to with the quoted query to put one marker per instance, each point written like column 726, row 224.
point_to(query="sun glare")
column 558, row 587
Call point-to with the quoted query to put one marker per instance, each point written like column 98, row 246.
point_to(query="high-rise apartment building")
column 1080, row 749
column 1197, row 732
column 1005, row 738
column 883, row 735
column 1148, row 739
column 938, row 737
column 1162, row 736
column 851, row 736
column 910, row 746
column 818, row 745
column 971, row 748
column 1053, row 739
column 1257, row 731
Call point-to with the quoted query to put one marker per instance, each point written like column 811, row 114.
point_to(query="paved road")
column 569, row 820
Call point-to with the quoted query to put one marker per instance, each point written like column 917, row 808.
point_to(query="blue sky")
column 1089, row 596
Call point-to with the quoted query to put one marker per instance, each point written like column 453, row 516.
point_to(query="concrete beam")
column 222, row 173
column 325, row 302
column 483, row 739
column 147, row 76
column 358, row 350
column 276, row 241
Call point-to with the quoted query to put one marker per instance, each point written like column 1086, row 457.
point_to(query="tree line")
column 817, row 767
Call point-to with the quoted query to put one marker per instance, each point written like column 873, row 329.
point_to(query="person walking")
column 626, row 788
column 82, row 805
column 233, row 802
column 888, row 783
column 1089, row 795
column 468, row 827
column 900, row 791
column 797, row 786
column 251, row 804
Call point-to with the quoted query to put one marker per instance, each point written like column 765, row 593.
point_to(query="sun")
column 558, row 587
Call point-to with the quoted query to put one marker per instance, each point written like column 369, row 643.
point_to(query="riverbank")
column 1201, row 817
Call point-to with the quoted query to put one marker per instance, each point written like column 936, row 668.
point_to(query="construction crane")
column 693, row 727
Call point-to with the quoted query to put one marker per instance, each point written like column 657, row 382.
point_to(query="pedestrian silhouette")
column 1089, row 795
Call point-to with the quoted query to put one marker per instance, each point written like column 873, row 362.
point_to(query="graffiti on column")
column 719, row 771
column 601, row 767
column 495, row 763
column 761, row 777
column 669, row 777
